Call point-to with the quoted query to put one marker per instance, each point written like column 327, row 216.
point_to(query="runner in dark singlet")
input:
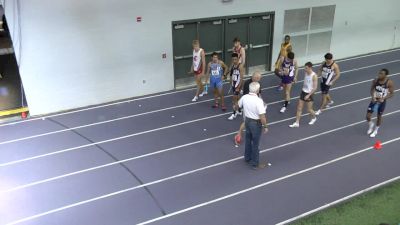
column 382, row 89
column 288, row 71
column 330, row 73
column 236, row 78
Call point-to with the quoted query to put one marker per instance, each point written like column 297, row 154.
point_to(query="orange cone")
column 378, row 145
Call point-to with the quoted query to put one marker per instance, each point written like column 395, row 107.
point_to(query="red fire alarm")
column 139, row 19
column 164, row 55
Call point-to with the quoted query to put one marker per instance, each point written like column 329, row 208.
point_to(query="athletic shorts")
column 235, row 92
column 303, row 95
column 325, row 88
column 287, row 79
column 198, row 72
column 380, row 107
column 216, row 82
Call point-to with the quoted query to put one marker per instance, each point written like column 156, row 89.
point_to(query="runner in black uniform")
column 330, row 73
column 382, row 89
column 288, row 71
column 236, row 78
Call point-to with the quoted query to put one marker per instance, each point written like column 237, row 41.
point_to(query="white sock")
column 371, row 125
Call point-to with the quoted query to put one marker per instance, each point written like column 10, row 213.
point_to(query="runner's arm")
column 191, row 69
column 373, row 91
column 241, row 69
column 203, row 61
column 243, row 55
column 296, row 71
column 391, row 90
column 279, row 64
column 208, row 69
column 315, row 85
column 337, row 72
column 225, row 68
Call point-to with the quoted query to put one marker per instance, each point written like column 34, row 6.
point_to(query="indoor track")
column 162, row 159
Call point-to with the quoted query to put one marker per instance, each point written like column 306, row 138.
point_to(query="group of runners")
column 286, row 69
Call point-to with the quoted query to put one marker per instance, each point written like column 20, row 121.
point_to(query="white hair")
column 254, row 87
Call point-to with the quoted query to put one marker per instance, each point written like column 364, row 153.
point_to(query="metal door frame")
column 224, row 18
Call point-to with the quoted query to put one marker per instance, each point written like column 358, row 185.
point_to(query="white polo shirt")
column 252, row 105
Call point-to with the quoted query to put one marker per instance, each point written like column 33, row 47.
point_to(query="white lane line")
column 168, row 93
column 263, row 184
column 196, row 206
column 339, row 201
column 159, row 110
column 149, row 131
column 186, row 145
column 367, row 55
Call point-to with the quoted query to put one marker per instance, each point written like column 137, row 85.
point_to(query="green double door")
column 216, row 35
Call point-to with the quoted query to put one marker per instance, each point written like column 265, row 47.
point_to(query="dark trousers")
column 253, row 135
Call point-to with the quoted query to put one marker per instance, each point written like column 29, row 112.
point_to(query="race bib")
column 214, row 72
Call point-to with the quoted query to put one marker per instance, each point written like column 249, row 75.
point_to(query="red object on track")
column 238, row 139
column 378, row 145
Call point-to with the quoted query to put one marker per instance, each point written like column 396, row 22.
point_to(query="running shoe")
column 313, row 121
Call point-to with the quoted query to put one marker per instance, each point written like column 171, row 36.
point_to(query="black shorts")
column 303, row 95
column 380, row 107
column 235, row 92
column 325, row 88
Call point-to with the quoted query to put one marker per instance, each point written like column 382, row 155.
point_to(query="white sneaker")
column 201, row 94
column 313, row 121
column 317, row 113
column 294, row 125
column 373, row 134
column 204, row 93
column 283, row 109
column 195, row 99
column 233, row 116
column 239, row 113
column 329, row 104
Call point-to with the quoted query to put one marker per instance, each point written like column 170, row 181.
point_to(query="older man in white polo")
column 255, row 123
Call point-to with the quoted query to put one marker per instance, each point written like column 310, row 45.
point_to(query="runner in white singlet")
column 198, row 68
column 309, row 87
